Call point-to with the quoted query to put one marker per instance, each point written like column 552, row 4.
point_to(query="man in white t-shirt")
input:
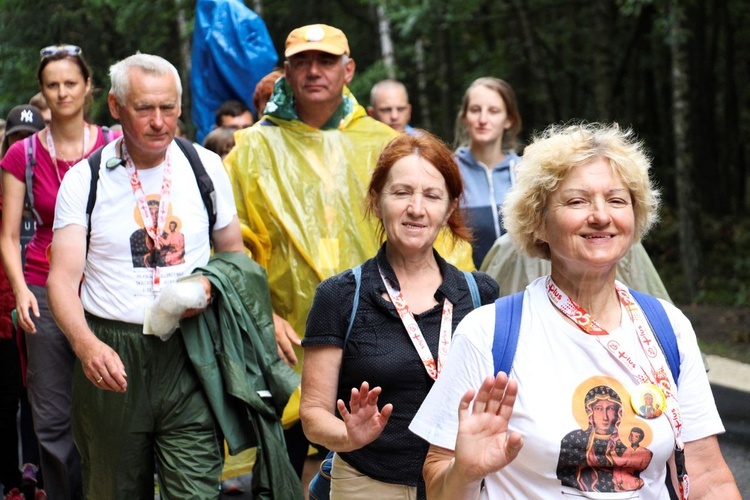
column 136, row 398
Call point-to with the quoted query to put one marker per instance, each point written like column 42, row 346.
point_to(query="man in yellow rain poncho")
column 300, row 176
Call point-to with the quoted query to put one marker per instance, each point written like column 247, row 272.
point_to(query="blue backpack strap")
column 357, row 271
column 473, row 289
column 662, row 327
column 507, row 325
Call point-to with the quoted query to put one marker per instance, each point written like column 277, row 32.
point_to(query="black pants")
column 296, row 447
column 10, row 391
column 12, row 396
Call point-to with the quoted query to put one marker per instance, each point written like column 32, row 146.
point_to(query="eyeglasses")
column 53, row 50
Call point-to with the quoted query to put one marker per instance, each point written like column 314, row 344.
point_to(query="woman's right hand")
column 363, row 421
column 485, row 444
column 26, row 306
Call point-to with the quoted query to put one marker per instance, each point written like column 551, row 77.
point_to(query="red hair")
column 264, row 89
column 438, row 154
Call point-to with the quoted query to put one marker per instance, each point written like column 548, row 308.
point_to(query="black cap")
column 24, row 118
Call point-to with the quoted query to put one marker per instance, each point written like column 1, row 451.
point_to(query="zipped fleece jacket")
column 484, row 194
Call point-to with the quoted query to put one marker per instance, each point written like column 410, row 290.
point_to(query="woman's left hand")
column 364, row 422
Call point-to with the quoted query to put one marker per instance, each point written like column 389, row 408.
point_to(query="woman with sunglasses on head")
column 65, row 81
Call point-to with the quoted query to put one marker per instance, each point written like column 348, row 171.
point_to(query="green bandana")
column 281, row 105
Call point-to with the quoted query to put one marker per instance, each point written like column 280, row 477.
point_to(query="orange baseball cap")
column 317, row 37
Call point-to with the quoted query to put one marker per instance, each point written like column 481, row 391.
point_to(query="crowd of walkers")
column 306, row 286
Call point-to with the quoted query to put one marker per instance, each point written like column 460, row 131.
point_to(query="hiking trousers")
column 163, row 419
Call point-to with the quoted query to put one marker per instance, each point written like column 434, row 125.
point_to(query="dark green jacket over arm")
column 233, row 349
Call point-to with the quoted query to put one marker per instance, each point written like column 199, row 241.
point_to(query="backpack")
column 29, row 145
column 320, row 485
column 205, row 184
column 31, row 217
column 508, row 323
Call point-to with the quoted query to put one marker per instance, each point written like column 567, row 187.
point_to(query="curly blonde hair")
column 549, row 160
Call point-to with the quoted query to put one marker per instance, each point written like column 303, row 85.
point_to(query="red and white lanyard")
column 53, row 152
column 659, row 374
column 415, row 333
column 153, row 228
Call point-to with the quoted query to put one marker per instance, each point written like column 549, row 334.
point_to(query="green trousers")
column 163, row 418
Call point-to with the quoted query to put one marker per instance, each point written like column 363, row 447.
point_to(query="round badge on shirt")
column 648, row 401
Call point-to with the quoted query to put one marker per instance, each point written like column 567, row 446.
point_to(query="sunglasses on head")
column 53, row 50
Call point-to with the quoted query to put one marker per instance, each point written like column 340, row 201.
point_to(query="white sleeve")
column 225, row 207
column 697, row 407
column 73, row 196
column 469, row 363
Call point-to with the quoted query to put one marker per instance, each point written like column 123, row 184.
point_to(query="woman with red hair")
column 394, row 344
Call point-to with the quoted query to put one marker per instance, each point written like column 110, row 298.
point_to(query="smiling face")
column 148, row 115
column 486, row 118
column 589, row 220
column 64, row 87
column 413, row 205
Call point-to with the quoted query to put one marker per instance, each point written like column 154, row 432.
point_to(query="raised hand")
column 484, row 444
column 363, row 421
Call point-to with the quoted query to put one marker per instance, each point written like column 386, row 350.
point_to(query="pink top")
column 45, row 189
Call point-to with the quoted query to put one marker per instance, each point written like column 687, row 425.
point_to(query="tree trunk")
column 386, row 42
column 424, row 101
column 603, row 59
column 444, row 70
column 735, row 157
column 185, row 44
column 536, row 65
column 686, row 208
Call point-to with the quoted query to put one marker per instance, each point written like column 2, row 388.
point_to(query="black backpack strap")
column 95, row 160
column 205, row 184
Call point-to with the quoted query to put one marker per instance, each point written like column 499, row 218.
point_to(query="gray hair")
column 119, row 73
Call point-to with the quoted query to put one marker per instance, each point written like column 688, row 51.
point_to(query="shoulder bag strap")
column 473, row 289
column 357, row 271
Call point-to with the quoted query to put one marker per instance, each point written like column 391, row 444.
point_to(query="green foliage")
column 566, row 59
column 106, row 30
column 364, row 81
column 726, row 273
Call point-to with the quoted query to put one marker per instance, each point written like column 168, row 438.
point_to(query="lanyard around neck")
column 154, row 229
column 660, row 375
column 415, row 333
column 53, row 152
column 657, row 373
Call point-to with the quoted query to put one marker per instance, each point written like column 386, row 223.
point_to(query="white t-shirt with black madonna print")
column 118, row 276
column 582, row 437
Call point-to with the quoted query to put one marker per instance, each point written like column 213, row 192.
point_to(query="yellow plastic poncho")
column 300, row 200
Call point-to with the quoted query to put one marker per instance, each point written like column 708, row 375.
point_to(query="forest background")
column 677, row 72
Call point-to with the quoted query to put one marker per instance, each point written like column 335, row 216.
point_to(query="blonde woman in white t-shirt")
column 559, row 424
